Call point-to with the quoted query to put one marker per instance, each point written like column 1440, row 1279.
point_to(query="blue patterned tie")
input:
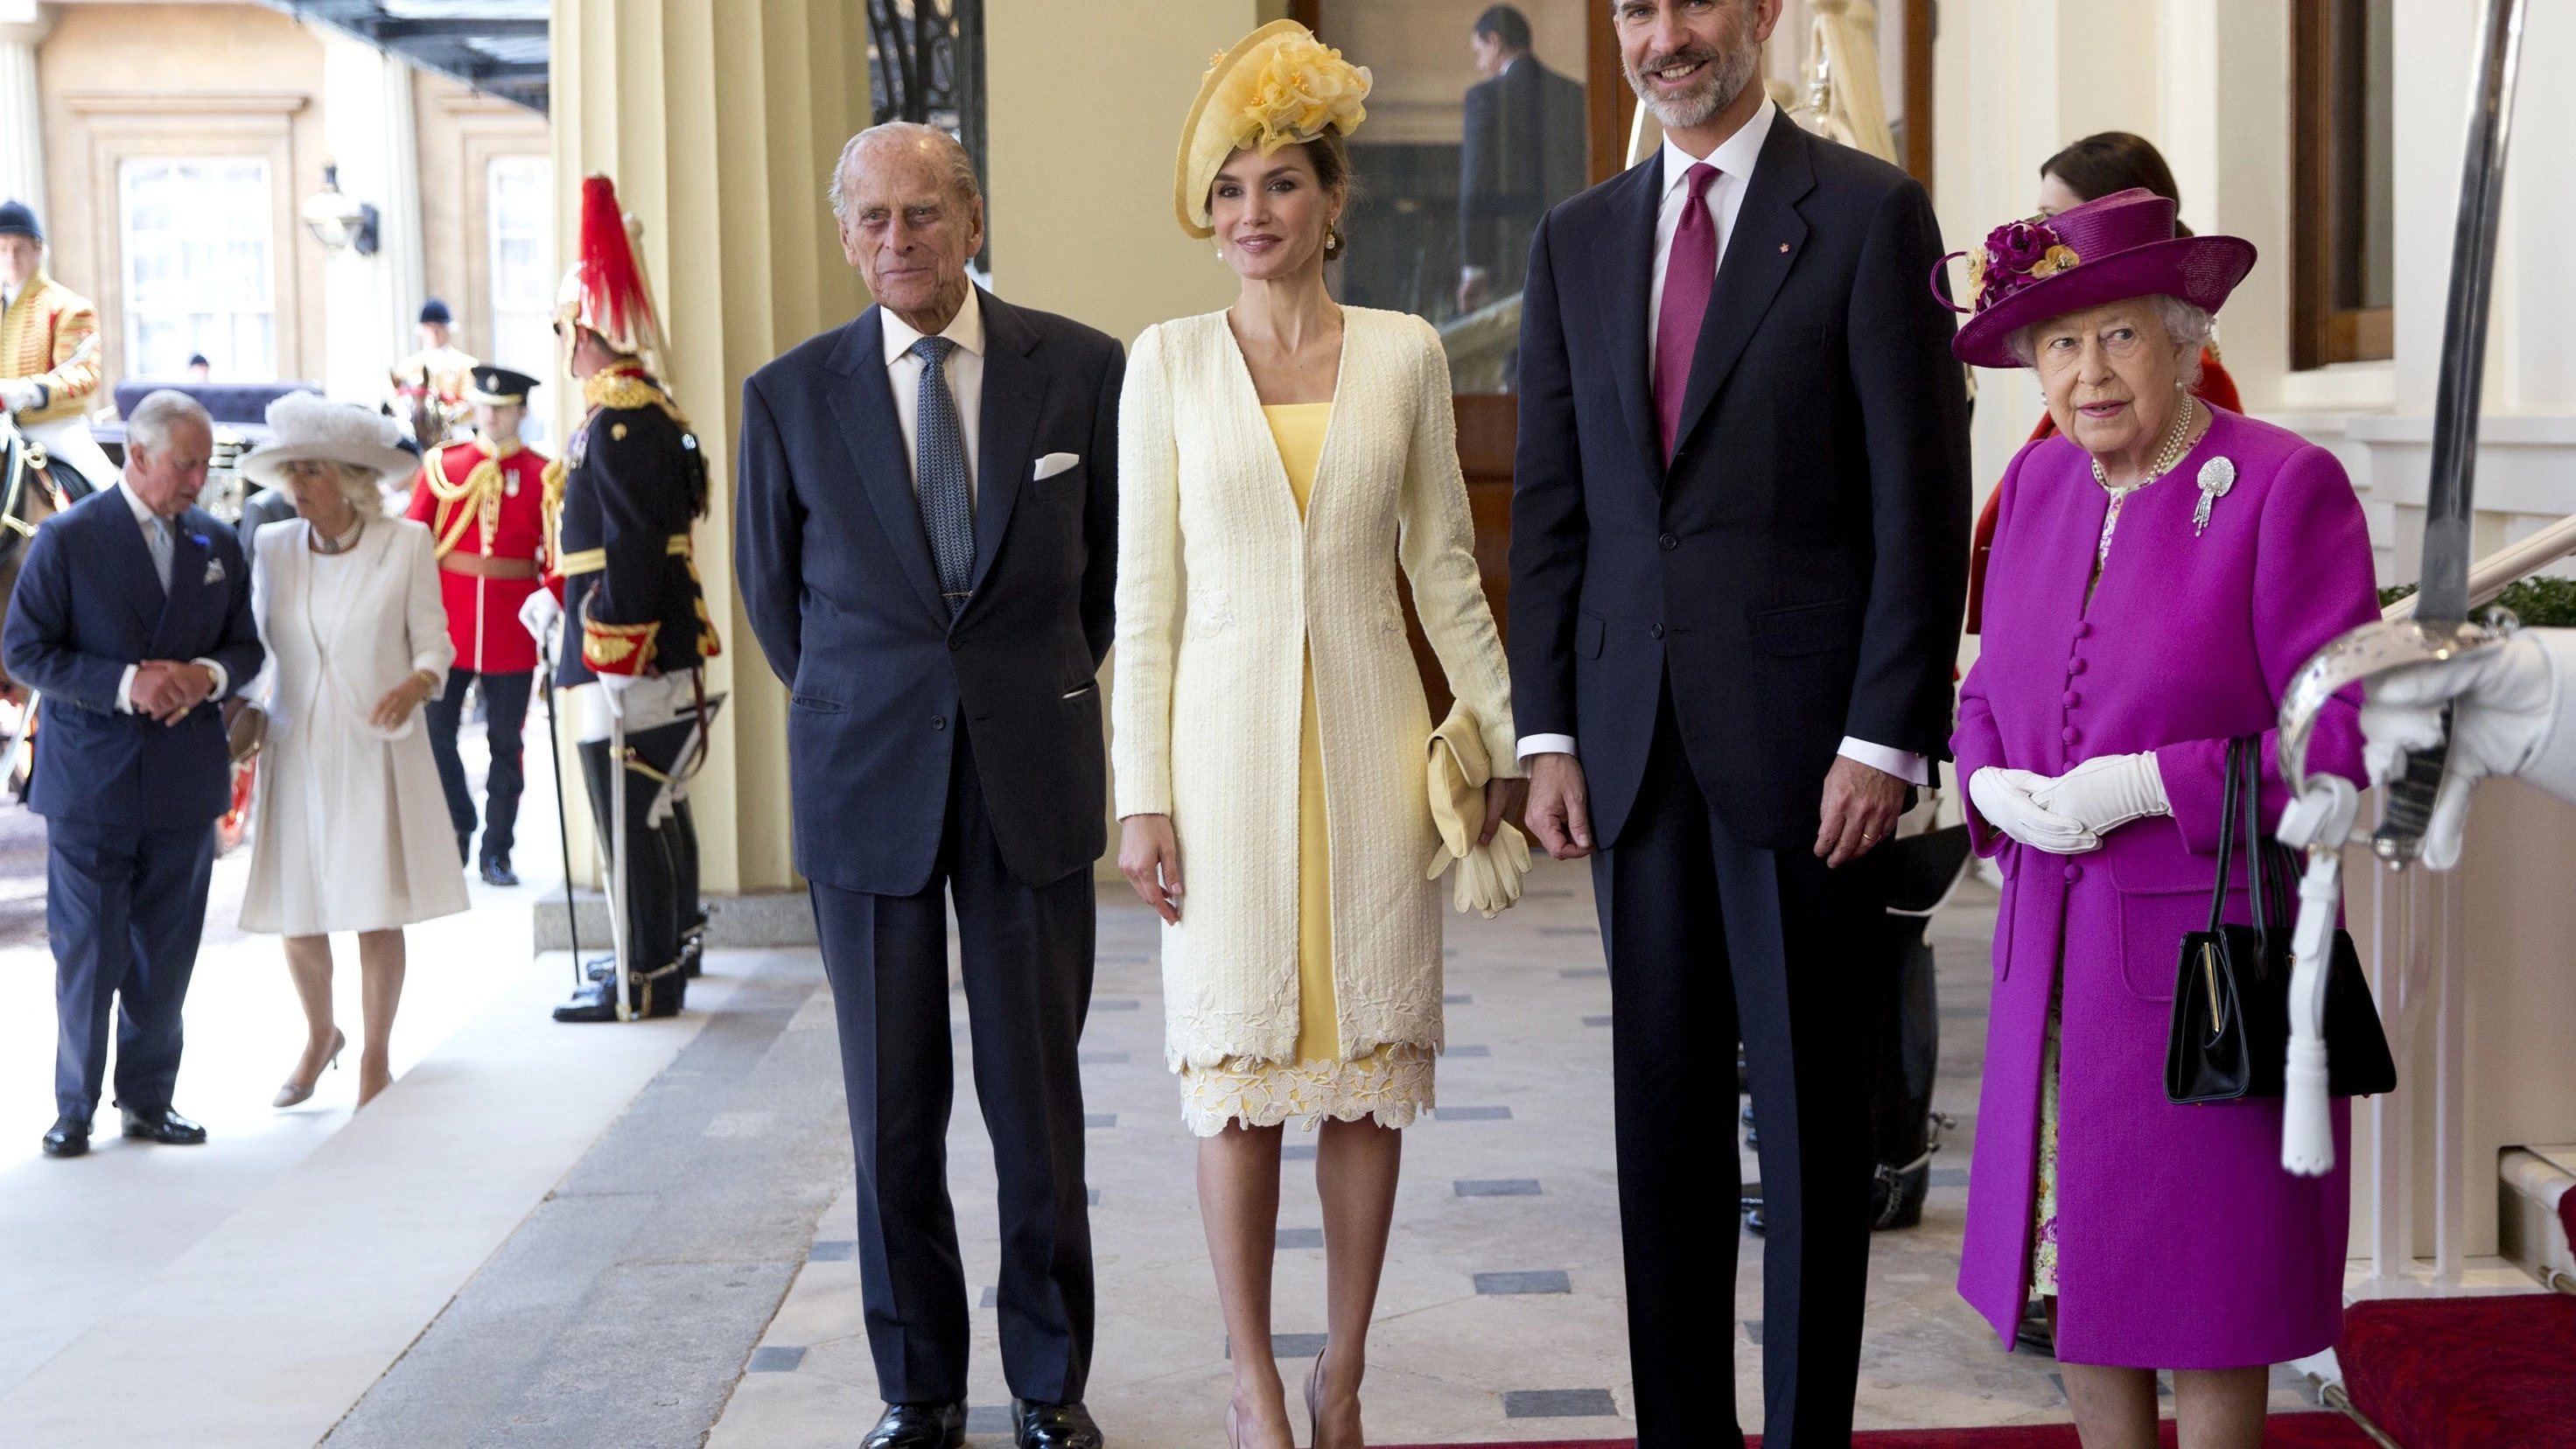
column 939, row 463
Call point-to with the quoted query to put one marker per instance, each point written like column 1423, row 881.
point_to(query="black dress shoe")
column 68, row 1137
column 1053, row 1426
column 496, row 871
column 919, row 1426
column 594, row 1002
column 163, row 1126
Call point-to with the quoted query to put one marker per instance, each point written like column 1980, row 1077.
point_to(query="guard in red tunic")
column 484, row 501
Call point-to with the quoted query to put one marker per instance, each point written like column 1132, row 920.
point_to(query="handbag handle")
column 2258, row 876
column 2226, row 836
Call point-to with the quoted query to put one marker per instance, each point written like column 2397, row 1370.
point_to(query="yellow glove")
column 1489, row 875
column 1459, row 770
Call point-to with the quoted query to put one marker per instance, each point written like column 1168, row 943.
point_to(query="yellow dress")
column 1392, row 1083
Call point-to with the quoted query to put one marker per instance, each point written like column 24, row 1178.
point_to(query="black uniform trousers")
column 661, row 861
column 1026, row 954
column 505, row 713
column 1707, row 936
column 124, row 907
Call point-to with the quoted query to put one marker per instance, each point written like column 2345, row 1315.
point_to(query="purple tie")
column 1690, row 274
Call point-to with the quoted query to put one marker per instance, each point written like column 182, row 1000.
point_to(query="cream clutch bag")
column 1489, row 875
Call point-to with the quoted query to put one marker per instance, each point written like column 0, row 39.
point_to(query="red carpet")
column 2465, row 1373
column 2284, row 1431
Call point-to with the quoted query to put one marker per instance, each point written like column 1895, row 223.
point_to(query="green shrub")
column 2539, row 602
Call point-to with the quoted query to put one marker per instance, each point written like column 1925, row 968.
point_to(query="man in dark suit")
column 1739, row 549
column 1522, row 153
column 131, row 618
column 926, row 537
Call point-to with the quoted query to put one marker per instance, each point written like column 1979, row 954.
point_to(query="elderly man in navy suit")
column 131, row 618
column 926, row 539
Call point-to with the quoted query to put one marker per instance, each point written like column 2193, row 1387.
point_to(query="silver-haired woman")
column 352, row 831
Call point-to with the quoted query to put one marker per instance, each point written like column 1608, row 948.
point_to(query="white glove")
column 538, row 616
column 2106, row 792
column 17, row 394
column 2506, row 705
column 2004, row 798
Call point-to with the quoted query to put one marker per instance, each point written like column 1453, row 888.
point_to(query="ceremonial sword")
column 2320, row 816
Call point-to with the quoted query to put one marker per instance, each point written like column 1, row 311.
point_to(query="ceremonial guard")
column 49, row 342
column 430, row 385
column 484, row 501
column 623, row 499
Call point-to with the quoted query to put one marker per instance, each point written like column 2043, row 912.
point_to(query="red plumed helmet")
column 604, row 288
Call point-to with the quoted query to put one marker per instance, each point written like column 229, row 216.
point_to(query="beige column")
column 23, row 25
column 720, row 120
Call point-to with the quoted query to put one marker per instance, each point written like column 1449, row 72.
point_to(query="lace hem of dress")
column 1392, row 1084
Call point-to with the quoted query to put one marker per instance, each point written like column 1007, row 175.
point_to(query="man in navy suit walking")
column 131, row 618
column 926, row 540
column 1739, row 554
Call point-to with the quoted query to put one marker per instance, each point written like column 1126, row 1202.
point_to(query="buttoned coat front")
column 2181, row 1241
column 1221, row 591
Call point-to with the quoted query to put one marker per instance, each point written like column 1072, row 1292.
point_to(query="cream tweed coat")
column 1221, row 587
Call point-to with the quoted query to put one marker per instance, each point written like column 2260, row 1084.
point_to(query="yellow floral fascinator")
column 1277, row 86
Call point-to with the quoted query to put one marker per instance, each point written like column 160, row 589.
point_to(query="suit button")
column 1654, row 631
column 2073, row 699
column 2070, row 734
column 940, row 722
column 2074, row 873
column 956, row 644
column 2084, row 630
column 1670, row 542
column 2075, row 666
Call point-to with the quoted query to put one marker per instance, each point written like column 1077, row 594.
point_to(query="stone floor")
column 554, row 1236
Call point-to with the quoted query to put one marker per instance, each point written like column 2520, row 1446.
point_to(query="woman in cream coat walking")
column 1278, row 463
column 352, row 829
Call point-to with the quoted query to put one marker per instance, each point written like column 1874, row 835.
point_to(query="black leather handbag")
column 2230, row 1037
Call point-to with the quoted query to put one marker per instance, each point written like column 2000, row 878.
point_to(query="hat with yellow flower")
column 2107, row 250
column 1278, row 86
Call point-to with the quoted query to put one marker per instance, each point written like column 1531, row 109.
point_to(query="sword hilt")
column 2400, row 836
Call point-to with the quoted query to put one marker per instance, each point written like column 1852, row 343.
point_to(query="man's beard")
column 1729, row 72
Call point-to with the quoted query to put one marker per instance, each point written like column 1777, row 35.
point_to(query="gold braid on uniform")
column 622, row 386
column 480, row 493
column 553, row 508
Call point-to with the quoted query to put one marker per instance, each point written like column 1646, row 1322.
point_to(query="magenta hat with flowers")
column 2107, row 250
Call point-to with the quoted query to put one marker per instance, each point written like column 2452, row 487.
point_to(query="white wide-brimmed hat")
column 309, row 425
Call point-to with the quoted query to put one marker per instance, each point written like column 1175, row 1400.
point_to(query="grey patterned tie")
column 939, row 466
column 157, row 538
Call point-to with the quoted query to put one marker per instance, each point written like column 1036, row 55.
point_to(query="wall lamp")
column 338, row 221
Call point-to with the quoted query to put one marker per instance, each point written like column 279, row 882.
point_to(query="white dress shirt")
column 1734, row 159
column 965, row 382
column 160, row 538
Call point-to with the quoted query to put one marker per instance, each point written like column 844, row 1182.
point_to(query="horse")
column 33, row 488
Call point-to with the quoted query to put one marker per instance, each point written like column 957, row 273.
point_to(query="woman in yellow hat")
column 1279, row 462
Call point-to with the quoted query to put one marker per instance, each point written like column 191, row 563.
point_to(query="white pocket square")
column 214, row 571
column 1054, row 463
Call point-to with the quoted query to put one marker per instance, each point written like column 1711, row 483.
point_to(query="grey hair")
column 2189, row 326
column 961, row 167
column 361, row 485
column 148, row 426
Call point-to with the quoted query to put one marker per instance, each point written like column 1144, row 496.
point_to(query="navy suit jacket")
column 836, row 575
column 1798, row 567
column 87, row 605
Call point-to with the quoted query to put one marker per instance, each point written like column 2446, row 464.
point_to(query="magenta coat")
column 2181, row 1242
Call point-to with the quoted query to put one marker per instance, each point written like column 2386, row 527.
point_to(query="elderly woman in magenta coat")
column 2161, row 568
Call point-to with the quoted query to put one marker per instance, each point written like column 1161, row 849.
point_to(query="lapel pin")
column 1784, row 246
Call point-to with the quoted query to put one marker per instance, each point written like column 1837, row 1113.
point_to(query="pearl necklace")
column 2167, row 457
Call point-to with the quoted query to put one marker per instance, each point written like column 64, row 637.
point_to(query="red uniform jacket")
column 477, row 504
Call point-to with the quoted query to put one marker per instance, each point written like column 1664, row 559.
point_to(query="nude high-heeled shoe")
column 294, row 1092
